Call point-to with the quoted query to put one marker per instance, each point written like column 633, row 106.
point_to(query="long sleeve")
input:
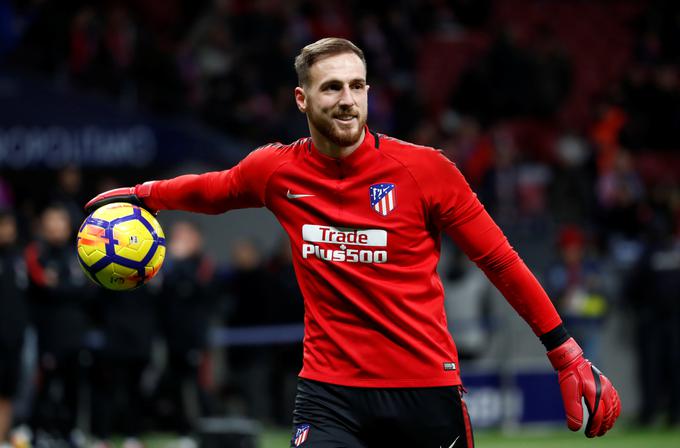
column 457, row 211
column 485, row 244
column 212, row 193
column 242, row 186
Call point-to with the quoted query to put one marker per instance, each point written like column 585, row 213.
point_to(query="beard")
column 338, row 135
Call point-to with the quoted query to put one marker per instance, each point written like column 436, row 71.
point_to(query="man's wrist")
column 565, row 354
column 555, row 337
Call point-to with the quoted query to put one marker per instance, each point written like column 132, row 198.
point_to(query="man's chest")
column 380, row 194
column 367, row 216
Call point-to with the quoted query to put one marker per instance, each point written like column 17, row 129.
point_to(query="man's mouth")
column 345, row 118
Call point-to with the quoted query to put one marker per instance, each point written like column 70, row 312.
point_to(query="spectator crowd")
column 568, row 134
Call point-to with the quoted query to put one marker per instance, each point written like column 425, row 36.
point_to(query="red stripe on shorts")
column 468, row 425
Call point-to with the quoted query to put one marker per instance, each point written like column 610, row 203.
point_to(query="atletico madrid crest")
column 301, row 433
column 383, row 198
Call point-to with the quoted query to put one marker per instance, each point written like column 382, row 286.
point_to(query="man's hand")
column 579, row 378
column 133, row 195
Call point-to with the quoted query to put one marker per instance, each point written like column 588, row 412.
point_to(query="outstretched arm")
column 485, row 244
column 460, row 214
column 215, row 192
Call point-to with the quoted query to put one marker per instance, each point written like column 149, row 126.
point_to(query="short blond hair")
column 322, row 48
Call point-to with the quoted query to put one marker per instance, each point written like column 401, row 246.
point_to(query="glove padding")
column 579, row 378
column 133, row 195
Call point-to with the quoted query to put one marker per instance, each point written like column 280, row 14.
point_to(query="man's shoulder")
column 283, row 148
column 410, row 154
column 276, row 153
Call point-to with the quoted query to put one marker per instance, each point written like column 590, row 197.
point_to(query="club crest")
column 301, row 433
column 383, row 198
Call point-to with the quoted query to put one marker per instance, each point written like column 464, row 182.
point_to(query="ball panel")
column 154, row 265
column 91, row 246
column 132, row 240
column 151, row 219
column 113, row 211
column 87, row 272
column 118, row 278
column 90, row 255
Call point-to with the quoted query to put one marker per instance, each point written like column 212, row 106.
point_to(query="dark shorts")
column 330, row 416
column 10, row 367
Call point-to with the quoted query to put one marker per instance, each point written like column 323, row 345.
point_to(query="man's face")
column 8, row 231
column 336, row 98
column 185, row 241
column 56, row 226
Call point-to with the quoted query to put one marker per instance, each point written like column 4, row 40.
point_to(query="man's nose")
column 346, row 97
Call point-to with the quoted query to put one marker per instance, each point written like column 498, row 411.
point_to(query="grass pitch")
column 618, row 438
column 624, row 437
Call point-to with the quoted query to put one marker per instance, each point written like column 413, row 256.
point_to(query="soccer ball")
column 121, row 246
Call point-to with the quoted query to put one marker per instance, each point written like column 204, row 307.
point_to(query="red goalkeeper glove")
column 579, row 378
column 133, row 195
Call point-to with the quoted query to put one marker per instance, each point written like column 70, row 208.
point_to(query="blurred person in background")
column 249, row 304
column 380, row 367
column 654, row 292
column 58, row 296
column 69, row 192
column 573, row 180
column 13, row 318
column 119, row 399
column 467, row 306
column 287, row 308
column 185, row 310
column 620, row 191
column 575, row 283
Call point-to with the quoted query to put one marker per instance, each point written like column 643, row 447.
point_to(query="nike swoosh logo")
column 454, row 442
column 290, row 195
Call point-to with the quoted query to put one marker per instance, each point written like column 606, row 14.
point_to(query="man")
column 188, row 303
column 128, row 325
column 13, row 318
column 58, row 296
column 364, row 213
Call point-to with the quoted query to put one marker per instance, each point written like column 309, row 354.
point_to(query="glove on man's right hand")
column 133, row 195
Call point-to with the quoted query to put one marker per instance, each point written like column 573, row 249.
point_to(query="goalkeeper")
column 364, row 213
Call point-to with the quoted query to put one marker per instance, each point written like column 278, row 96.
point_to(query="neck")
column 330, row 149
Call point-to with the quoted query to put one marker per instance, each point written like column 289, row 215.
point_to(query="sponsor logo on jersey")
column 383, row 198
column 344, row 235
column 301, row 434
column 346, row 245
column 290, row 195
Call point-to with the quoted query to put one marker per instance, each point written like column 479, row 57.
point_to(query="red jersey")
column 365, row 235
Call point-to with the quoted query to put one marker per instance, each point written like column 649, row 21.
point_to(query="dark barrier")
column 45, row 126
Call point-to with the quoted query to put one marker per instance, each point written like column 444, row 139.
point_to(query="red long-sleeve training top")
column 365, row 235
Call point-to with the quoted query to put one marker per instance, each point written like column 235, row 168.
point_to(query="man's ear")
column 301, row 99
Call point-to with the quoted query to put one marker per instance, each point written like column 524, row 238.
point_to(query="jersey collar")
column 364, row 152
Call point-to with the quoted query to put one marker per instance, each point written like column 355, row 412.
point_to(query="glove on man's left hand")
column 579, row 378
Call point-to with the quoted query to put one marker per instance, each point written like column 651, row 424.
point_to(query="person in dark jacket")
column 187, row 304
column 288, row 310
column 249, row 304
column 127, row 324
column 59, row 295
column 13, row 317
column 654, row 291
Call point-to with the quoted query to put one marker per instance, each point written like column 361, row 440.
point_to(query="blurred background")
column 563, row 115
